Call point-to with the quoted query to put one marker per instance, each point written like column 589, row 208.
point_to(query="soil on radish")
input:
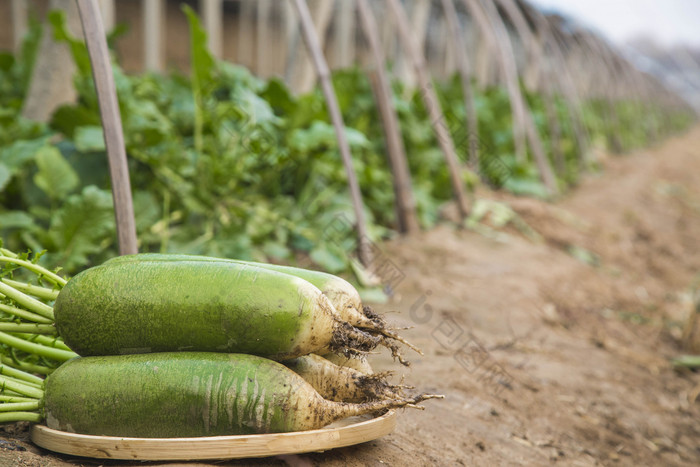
column 577, row 328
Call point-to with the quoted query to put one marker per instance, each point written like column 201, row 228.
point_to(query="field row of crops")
column 228, row 165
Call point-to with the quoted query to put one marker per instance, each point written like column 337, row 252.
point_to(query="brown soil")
column 544, row 357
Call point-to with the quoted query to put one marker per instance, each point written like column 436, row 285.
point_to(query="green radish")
column 181, row 394
column 342, row 295
column 340, row 292
column 143, row 306
column 343, row 384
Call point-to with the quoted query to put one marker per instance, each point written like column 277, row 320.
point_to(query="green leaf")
column 321, row 135
column 16, row 219
column 257, row 109
column 327, row 259
column 29, row 51
column 584, row 255
column 89, row 139
column 20, row 152
column 5, row 176
column 55, row 177
column 57, row 18
column 83, row 223
column 373, row 295
column 7, row 61
column 521, row 186
column 276, row 250
column 146, row 210
column 67, row 118
column 203, row 64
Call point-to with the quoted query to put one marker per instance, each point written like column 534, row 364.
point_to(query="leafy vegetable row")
column 228, row 165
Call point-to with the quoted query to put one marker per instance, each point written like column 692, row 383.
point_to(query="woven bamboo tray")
column 347, row 432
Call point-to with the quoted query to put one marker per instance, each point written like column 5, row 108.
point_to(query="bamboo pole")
column 486, row 50
column 291, row 34
column 304, row 78
column 524, row 125
column 19, row 23
column 532, row 45
column 432, row 105
column 605, row 79
column 111, row 123
column 108, row 14
column 436, row 50
column 153, row 34
column 264, row 48
column 566, row 82
column 324, row 75
column 344, row 45
column 51, row 82
column 213, row 24
column 465, row 74
column 419, row 28
column 533, row 50
column 390, row 45
column 449, row 65
column 246, row 34
column 509, row 73
column 403, row 193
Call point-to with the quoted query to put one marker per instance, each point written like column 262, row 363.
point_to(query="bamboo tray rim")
column 353, row 430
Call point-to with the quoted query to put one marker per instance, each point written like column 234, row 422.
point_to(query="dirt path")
column 550, row 351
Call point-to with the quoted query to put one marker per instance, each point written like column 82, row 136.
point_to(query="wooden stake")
column 403, row 193
column 291, row 35
column 262, row 43
column 606, row 78
column 420, row 13
column 246, row 34
column 344, row 44
column 531, row 44
column 153, row 34
column 523, row 125
column 533, row 50
column 107, row 10
column 213, row 23
column 432, row 105
column 508, row 71
column 567, row 86
column 465, row 74
column 111, row 124
column 19, row 22
column 324, row 75
column 304, row 78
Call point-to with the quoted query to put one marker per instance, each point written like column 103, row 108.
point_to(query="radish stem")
column 687, row 361
column 11, row 398
column 19, row 374
column 36, row 290
column 21, row 388
column 20, row 313
column 26, row 366
column 37, row 349
column 19, row 406
column 27, row 327
column 26, row 301
column 6, row 417
column 6, row 252
column 35, row 268
column 54, row 342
